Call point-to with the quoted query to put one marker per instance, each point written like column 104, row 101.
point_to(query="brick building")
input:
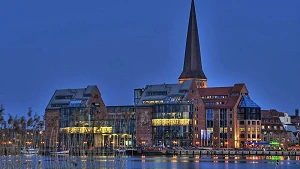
column 218, row 116
column 188, row 113
column 72, row 108
column 272, row 128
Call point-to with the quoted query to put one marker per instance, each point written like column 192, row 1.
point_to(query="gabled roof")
column 172, row 92
column 237, row 88
column 75, row 96
column 247, row 102
column 232, row 100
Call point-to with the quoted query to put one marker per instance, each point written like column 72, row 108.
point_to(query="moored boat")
column 60, row 152
column 30, row 151
column 153, row 151
column 120, row 150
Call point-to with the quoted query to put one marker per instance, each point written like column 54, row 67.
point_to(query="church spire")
column 192, row 69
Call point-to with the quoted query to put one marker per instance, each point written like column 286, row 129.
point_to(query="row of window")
column 60, row 105
column 63, row 97
column 250, row 122
column 171, row 122
column 166, row 108
column 153, row 101
column 250, row 136
column 270, row 121
column 270, row 127
column 213, row 103
column 173, row 115
column 253, row 129
column 214, row 97
column 157, row 93
column 114, row 109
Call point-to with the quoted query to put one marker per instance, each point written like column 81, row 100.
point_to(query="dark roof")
column 192, row 60
column 171, row 92
column 75, row 97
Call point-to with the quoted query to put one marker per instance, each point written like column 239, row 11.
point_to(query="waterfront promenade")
column 182, row 152
column 233, row 152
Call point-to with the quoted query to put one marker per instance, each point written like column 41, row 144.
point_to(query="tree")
column 2, row 123
column 10, row 126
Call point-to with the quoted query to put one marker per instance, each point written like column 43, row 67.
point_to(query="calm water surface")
column 150, row 162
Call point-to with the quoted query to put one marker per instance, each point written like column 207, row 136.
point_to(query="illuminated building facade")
column 218, row 116
column 123, row 122
column 164, row 115
column 188, row 113
column 68, row 108
column 248, row 121
column 231, row 118
column 272, row 128
column 172, row 124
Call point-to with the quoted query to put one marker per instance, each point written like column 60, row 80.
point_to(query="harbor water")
column 149, row 162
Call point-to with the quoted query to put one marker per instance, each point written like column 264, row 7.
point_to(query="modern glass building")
column 172, row 124
column 249, row 121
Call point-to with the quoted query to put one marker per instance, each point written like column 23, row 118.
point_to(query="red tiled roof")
column 212, row 91
column 237, row 88
column 232, row 101
column 272, row 113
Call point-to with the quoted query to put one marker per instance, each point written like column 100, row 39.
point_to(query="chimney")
column 297, row 112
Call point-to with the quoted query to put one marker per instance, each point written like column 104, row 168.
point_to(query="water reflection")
column 148, row 162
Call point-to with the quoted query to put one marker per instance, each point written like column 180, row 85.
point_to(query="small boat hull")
column 120, row 150
column 60, row 152
column 29, row 151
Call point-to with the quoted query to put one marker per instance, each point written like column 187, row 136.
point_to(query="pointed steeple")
column 192, row 69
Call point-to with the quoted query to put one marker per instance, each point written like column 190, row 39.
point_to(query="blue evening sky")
column 125, row 44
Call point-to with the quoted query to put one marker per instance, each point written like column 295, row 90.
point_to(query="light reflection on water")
column 149, row 162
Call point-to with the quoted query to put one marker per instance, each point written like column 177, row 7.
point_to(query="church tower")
column 192, row 68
